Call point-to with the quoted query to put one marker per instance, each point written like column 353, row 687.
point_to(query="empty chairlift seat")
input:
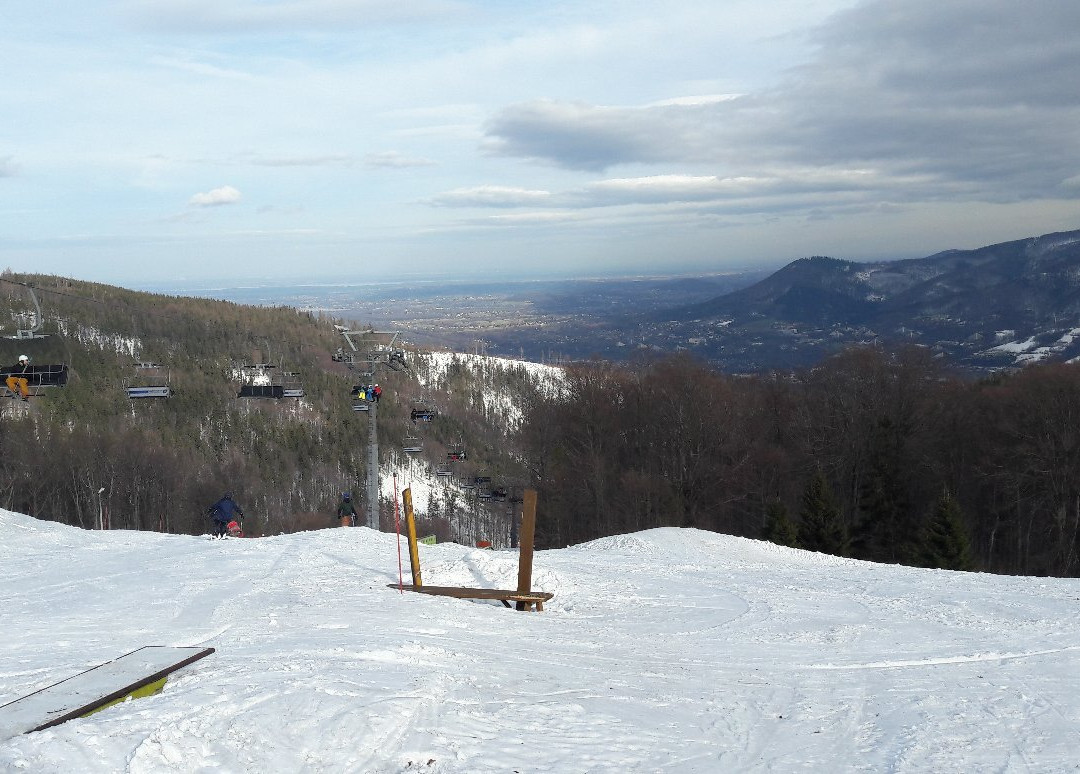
column 261, row 391
column 291, row 386
column 151, row 380
column 262, row 380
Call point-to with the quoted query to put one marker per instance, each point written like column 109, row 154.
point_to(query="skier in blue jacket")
column 222, row 512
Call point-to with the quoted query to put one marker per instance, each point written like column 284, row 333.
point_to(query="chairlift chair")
column 151, row 380
column 258, row 381
column 360, row 403
column 396, row 360
column 38, row 377
column 290, row 385
column 422, row 415
column 483, row 490
column 413, row 445
column 456, row 453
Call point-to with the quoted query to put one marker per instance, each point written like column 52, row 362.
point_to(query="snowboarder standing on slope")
column 222, row 512
column 346, row 512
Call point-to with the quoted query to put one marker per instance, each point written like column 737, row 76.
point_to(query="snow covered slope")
column 668, row 650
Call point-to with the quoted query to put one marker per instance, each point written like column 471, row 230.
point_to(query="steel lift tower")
column 394, row 358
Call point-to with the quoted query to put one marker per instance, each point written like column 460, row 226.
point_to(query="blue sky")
column 334, row 140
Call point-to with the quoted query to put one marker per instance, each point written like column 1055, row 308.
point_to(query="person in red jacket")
column 377, row 392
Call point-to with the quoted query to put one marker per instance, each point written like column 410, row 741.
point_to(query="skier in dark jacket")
column 222, row 512
column 346, row 512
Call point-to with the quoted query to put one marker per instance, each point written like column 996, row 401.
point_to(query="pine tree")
column 945, row 543
column 885, row 530
column 779, row 528
column 821, row 528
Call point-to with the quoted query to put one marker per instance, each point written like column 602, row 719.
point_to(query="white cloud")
column 226, row 194
column 491, row 196
column 199, row 68
column 395, row 160
column 673, row 187
column 300, row 160
column 252, row 16
column 694, row 101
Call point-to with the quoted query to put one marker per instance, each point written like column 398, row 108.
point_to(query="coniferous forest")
column 879, row 455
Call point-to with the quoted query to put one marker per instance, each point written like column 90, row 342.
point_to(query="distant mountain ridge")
column 987, row 308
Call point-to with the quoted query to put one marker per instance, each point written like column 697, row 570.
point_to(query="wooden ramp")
column 95, row 688
column 523, row 596
column 524, row 599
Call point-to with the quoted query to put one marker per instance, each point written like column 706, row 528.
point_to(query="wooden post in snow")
column 525, row 541
column 410, row 525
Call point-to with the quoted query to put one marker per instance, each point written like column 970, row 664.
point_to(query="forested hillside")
column 160, row 462
column 874, row 454
column 871, row 454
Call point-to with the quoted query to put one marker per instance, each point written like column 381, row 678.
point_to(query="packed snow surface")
column 663, row 651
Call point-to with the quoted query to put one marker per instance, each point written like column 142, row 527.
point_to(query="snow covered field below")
column 664, row 651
